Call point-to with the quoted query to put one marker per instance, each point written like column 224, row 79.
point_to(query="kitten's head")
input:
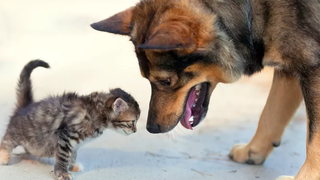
column 121, row 111
column 118, row 110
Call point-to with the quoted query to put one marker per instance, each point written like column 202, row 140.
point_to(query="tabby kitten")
column 57, row 125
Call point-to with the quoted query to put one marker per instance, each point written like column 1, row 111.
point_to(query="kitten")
column 57, row 125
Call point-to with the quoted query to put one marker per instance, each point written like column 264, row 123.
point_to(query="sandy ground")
column 85, row 60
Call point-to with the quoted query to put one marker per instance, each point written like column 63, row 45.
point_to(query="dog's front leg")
column 284, row 98
column 310, row 85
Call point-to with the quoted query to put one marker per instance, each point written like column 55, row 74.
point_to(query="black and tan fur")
column 182, row 43
column 56, row 126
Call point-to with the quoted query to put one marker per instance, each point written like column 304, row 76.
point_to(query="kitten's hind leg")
column 63, row 157
column 5, row 156
column 75, row 167
column 6, row 147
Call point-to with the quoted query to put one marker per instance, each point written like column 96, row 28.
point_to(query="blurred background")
column 85, row 60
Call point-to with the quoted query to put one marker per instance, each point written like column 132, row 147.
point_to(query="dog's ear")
column 180, row 38
column 118, row 24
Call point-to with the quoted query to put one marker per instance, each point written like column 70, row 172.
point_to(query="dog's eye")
column 166, row 82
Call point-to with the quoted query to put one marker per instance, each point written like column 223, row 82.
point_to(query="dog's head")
column 182, row 52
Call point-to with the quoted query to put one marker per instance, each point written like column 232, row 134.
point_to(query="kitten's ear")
column 118, row 24
column 119, row 105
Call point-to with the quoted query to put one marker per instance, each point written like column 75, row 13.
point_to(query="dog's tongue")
column 188, row 113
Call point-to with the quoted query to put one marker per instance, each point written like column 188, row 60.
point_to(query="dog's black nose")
column 154, row 128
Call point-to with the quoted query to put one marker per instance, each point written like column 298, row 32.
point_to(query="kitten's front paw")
column 4, row 157
column 76, row 168
column 65, row 176
column 285, row 178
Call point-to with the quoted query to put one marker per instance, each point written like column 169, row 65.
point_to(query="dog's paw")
column 4, row 157
column 285, row 178
column 64, row 176
column 242, row 153
column 76, row 168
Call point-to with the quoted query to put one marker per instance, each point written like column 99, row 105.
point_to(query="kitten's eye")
column 133, row 121
column 166, row 82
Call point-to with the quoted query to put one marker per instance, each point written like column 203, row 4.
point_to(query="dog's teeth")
column 194, row 105
column 198, row 87
column 198, row 93
column 191, row 120
column 196, row 100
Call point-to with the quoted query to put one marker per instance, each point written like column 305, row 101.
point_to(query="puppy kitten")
column 57, row 125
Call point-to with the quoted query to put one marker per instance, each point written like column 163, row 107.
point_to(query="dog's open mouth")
column 196, row 106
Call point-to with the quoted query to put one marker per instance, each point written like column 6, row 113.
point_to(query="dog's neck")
column 239, row 24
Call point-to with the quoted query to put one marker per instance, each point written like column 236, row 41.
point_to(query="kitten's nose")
column 154, row 128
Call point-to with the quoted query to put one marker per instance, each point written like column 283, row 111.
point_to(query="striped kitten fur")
column 57, row 125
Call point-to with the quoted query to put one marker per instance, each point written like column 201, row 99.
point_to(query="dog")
column 186, row 47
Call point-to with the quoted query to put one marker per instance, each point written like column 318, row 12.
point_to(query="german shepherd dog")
column 186, row 47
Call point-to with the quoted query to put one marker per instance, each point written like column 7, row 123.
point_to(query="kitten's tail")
column 24, row 89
